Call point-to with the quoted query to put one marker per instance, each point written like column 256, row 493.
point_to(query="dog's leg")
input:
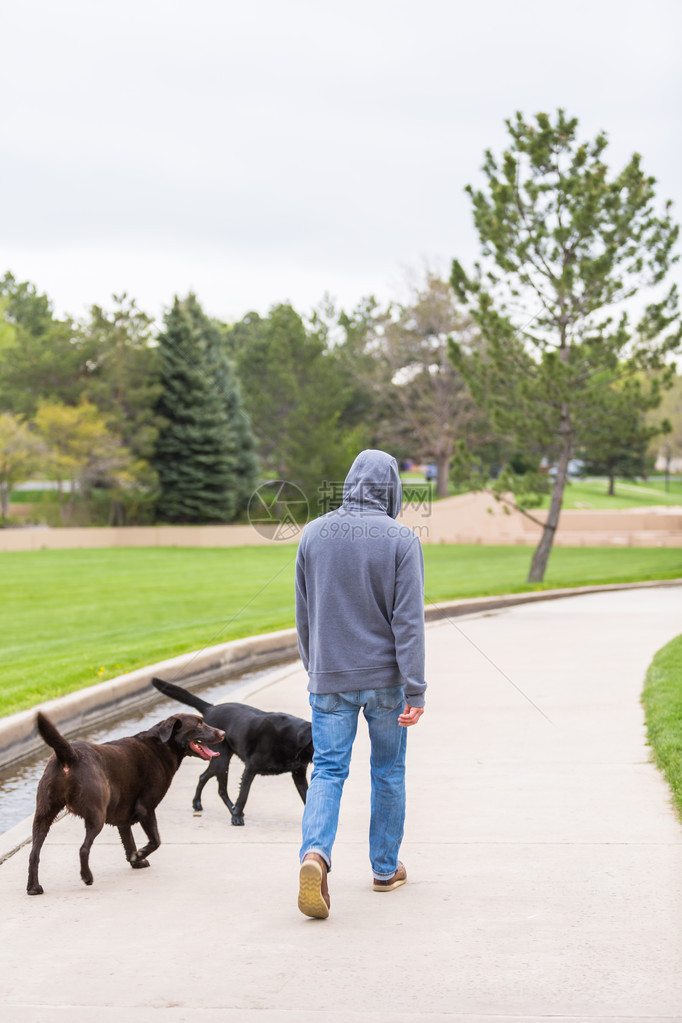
column 126, row 833
column 300, row 781
column 238, row 812
column 41, row 825
column 147, row 819
column 221, row 769
column 208, row 773
column 93, row 825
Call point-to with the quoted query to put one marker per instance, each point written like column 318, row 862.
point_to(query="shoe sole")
column 379, row 887
column 310, row 901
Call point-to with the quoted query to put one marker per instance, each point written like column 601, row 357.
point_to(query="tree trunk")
column 538, row 565
column 612, row 484
column 443, row 478
column 4, row 499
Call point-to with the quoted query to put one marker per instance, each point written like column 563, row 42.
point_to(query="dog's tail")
column 66, row 755
column 168, row 689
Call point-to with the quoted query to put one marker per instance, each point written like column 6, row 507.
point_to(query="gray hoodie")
column 360, row 589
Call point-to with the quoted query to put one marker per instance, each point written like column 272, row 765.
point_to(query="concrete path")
column 545, row 861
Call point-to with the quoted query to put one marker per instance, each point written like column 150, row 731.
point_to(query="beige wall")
column 471, row 518
column 40, row 538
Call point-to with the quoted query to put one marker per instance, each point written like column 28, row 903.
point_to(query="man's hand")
column 410, row 716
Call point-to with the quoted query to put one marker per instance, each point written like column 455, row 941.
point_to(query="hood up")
column 373, row 484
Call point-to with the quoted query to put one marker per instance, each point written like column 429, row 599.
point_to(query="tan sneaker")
column 400, row 877
column 313, row 893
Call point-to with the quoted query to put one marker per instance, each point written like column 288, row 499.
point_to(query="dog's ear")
column 167, row 727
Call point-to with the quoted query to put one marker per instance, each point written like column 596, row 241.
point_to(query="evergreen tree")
column 615, row 442
column 196, row 450
column 246, row 462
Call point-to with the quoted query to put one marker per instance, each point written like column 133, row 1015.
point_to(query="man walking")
column 360, row 622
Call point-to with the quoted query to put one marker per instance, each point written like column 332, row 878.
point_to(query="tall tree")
column 295, row 397
column 41, row 357
column 430, row 401
column 615, row 442
column 356, row 339
column 20, row 452
column 563, row 242
column 229, row 388
column 80, row 449
column 125, row 369
column 670, row 452
column 196, row 449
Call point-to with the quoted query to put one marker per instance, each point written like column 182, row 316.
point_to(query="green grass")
column 662, row 699
column 586, row 494
column 594, row 494
column 76, row 617
column 72, row 618
column 454, row 571
column 34, row 497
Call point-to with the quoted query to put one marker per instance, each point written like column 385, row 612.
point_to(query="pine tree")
column 246, row 461
column 563, row 243
column 196, row 451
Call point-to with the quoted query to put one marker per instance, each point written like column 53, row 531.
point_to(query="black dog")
column 267, row 743
column 120, row 783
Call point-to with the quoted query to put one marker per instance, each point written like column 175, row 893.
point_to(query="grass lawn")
column 72, row 618
column 589, row 493
column 593, row 493
column 662, row 699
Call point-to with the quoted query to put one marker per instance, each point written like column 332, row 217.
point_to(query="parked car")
column 576, row 469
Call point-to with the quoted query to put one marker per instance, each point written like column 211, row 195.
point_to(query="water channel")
column 19, row 781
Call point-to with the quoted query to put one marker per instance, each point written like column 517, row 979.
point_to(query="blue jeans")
column 335, row 722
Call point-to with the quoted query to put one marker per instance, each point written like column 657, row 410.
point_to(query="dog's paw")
column 87, row 878
column 237, row 821
column 35, row 889
column 137, row 862
column 197, row 807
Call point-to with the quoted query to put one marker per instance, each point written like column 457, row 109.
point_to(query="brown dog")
column 120, row 783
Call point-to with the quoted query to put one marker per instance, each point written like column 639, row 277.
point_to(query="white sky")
column 272, row 150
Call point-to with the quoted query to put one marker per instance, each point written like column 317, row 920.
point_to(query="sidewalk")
column 544, row 860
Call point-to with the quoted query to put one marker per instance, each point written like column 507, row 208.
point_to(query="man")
column 360, row 622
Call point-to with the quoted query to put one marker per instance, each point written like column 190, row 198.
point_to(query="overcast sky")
column 272, row 150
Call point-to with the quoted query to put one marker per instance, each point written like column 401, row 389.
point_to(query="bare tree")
column 430, row 403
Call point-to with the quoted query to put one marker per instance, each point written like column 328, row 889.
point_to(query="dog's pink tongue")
column 204, row 751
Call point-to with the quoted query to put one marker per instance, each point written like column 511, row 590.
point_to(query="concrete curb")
column 18, row 733
column 435, row 611
column 17, row 837
column 19, row 736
